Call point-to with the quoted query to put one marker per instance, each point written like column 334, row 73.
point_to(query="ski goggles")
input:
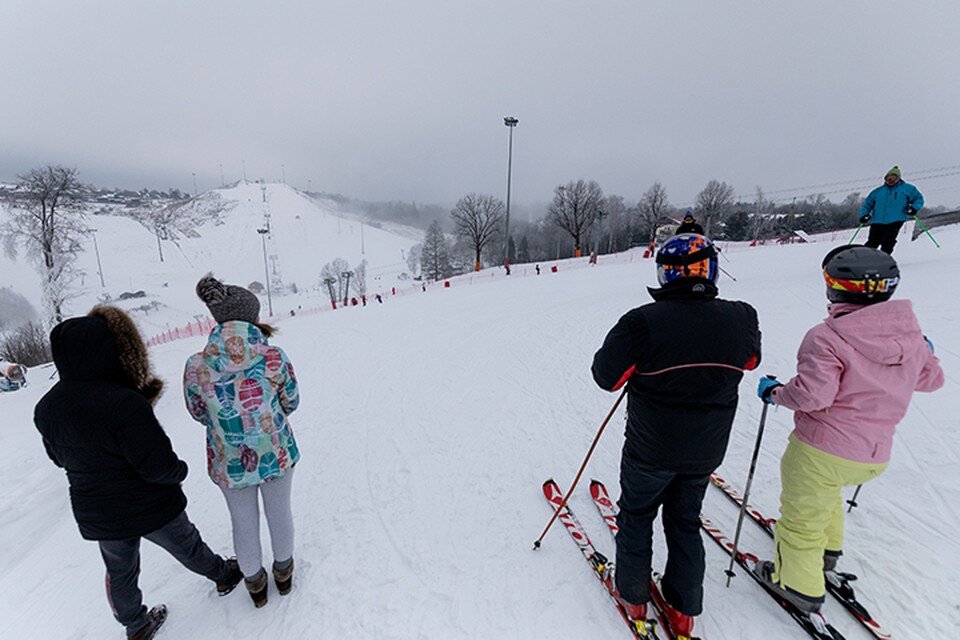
column 869, row 284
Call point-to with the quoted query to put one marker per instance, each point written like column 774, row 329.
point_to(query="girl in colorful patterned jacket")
column 856, row 374
column 242, row 389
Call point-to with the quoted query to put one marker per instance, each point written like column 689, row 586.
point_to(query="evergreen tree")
column 435, row 255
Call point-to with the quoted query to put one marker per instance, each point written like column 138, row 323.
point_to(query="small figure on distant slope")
column 689, row 225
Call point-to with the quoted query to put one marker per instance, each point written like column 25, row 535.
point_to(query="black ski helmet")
column 861, row 275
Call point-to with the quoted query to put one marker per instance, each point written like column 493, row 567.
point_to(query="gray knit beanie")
column 228, row 302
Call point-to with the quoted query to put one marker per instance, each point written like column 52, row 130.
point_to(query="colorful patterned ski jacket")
column 856, row 374
column 242, row 389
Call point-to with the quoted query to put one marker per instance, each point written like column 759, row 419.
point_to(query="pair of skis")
column 815, row 625
column 837, row 583
column 655, row 628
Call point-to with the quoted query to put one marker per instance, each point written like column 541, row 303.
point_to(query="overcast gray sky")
column 405, row 99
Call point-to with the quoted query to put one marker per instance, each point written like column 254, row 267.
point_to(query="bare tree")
column 478, row 221
column 759, row 219
column 161, row 220
column 575, row 207
column 359, row 281
column 435, row 256
column 714, row 202
column 652, row 208
column 48, row 221
column 335, row 269
column 413, row 258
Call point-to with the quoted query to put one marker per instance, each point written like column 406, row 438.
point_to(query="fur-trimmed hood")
column 104, row 345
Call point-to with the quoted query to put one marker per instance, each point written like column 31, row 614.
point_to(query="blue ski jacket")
column 889, row 204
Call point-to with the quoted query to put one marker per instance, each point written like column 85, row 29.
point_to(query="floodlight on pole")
column 510, row 122
column 346, row 289
column 266, row 269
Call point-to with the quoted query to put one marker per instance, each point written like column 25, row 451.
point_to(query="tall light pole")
column 266, row 269
column 96, row 249
column 511, row 122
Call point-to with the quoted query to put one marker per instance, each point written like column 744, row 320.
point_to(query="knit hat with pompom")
column 228, row 302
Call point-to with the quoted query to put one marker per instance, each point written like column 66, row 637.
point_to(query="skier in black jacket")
column 98, row 424
column 689, row 225
column 682, row 357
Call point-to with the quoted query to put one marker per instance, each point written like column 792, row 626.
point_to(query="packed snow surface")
column 427, row 426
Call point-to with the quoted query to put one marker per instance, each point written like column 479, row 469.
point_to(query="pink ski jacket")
column 856, row 373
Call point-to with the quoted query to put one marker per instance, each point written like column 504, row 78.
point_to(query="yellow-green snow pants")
column 811, row 513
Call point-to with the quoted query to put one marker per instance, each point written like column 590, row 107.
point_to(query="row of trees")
column 581, row 218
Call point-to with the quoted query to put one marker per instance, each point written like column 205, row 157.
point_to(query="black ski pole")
column 746, row 493
column 726, row 273
column 853, row 501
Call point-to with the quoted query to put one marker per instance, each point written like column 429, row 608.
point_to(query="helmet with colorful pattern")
column 687, row 256
column 861, row 275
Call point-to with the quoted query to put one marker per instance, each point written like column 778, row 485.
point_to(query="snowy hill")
column 428, row 424
column 218, row 231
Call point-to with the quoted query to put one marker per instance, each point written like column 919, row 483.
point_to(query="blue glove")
column 929, row 343
column 766, row 387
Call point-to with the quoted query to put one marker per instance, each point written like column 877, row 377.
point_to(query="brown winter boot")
column 257, row 586
column 283, row 576
column 155, row 619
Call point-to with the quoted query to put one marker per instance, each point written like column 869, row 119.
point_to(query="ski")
column 813, row 623
column 601, row 498
column 837, row 582
column 641, row 629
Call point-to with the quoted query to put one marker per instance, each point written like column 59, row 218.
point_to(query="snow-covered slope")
column 218, row 232
column 427, row 426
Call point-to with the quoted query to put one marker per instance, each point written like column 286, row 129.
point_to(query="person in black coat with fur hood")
column 98, row 424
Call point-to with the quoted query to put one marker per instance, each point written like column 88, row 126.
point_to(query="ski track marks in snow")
column 427, row 425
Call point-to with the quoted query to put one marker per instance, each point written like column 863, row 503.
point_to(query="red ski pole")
column 596, row 439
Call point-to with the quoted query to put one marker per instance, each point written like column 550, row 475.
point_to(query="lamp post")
column 511, row 122
column 266, row 269
column 96, row 249
column 333, row 297
column 346, row 289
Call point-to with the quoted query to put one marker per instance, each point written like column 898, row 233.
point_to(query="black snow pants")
column 122, row 557
column 884, row 236
column 644, row 489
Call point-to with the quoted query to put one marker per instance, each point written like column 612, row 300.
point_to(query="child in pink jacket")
column 856, row 374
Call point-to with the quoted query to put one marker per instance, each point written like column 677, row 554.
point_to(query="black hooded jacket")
column 680, row 419
column 124, row 475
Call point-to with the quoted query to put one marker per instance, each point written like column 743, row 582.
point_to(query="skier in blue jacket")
column 887, row 208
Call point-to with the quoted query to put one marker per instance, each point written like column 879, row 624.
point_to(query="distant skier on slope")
column 682, row 357
column 243, row 389
column 98, row 423
column 887, row 208
column 856, row 373
column 689, row 225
